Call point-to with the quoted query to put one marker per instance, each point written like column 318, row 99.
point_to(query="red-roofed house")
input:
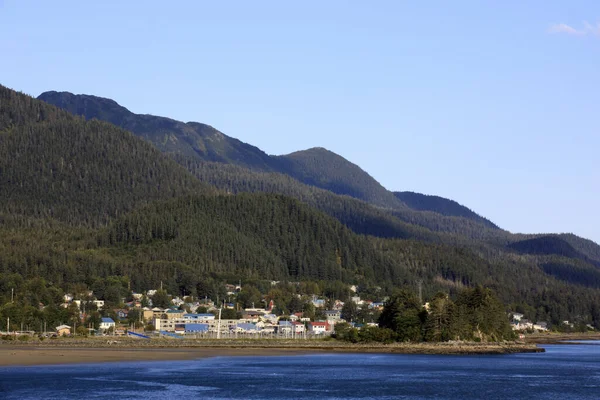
column 318, row 328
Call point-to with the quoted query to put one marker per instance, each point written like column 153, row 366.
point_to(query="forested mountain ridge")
column 191, row 139
column 325, row 169
column 313, row 168
column 316, row 167
column 395, row 218
column 440, row 205
column 55, row 165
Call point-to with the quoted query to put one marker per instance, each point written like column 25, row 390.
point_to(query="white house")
column 99, row 304
column 107, row 323
column 298, row 327
column 517, row 316
column 318, row 328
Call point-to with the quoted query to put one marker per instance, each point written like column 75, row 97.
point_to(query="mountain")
column 440, row 205
column 383, row 213
column 194, row 144
column 85, row 204
column 55, row 165
column 191, row 139
column 322, row 168
column 317, row 167
column 551, row 245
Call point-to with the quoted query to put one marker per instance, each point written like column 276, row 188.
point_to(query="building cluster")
column 519, row 323
column 182, row 317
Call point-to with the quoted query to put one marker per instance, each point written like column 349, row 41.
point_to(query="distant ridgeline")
column 142, row 199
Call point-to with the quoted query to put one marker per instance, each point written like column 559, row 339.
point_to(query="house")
column 298, row 327
column 245, row 328
column 122, row 314
column 99, row 304
column 338, row 305
column 319, row 303
column 107, row 323
column 540, row 326
column 333, row 316
column 284, row 327
column 137, row 296
column 252, row 314
column 318, row 328
column 199, row 317
column 356, row 300
column 147, row 314
column 63, row 330
column 174, row 314
column 517, row 316
column 194, row 328
column 230, row 289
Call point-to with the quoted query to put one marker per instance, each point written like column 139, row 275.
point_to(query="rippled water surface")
column 563, row 372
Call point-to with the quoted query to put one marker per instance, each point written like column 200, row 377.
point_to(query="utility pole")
column 8, row 325
column 219, row 325
column 12, row 295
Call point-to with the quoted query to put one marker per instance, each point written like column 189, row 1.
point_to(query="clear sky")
column 492, row 103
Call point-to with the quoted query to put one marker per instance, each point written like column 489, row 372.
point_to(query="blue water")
column 563, row 372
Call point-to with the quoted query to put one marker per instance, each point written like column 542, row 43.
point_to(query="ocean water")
column 563, row 372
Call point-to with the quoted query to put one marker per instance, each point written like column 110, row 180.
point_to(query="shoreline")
column 560, row 338
column 70, row 351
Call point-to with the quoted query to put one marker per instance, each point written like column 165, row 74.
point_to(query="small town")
column 155, row 313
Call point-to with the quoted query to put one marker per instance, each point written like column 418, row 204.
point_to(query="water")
column 565, row 371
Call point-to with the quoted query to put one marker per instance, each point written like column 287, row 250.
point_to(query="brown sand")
column 17, row 355
column 74, row 350
column 560, row 338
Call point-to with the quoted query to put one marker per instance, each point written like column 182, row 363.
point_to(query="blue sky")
column 493, row 104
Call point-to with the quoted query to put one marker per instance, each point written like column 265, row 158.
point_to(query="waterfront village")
column 203, row 318
column 157, row 314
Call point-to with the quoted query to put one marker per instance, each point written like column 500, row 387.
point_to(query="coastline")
column 67, row 351
column 560, row 338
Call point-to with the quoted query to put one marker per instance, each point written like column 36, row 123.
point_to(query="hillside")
column 191, row 139
column 440, row 205
column 54, row 165
column 84, row 204
column 316, row 167
column 194, row 144
column 322, row 168
column 186, row 242
column 383, row 214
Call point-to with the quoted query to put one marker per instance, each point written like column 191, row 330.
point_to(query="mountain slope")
column 325, row 169
column 440, row 205
column 253, row 235
column 316, row 167
column 54, row 165
column 191, row 139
